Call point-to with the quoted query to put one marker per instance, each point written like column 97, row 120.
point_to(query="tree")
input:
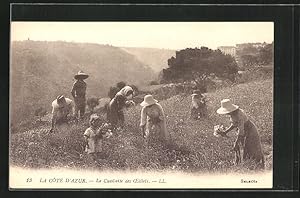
column 266, row 54
column 248, row 49
column 252, row 54
column 197, row 64
column 250, row 60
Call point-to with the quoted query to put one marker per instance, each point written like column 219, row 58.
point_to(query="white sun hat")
column 81, row 75
column 227, row 107
column 148, row 100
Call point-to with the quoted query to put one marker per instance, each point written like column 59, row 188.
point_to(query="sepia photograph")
column 141, row 105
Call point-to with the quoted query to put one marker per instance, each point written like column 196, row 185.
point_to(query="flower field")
column 193, row 147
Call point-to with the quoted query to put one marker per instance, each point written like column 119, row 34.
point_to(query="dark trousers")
column 80, row 107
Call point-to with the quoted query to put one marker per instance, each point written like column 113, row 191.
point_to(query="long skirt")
column 252, row 147
column 157, row 130
column 114, row 115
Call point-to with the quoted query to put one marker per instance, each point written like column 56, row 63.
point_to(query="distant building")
column 259, row 45
column 245, row 45
column 231, row 50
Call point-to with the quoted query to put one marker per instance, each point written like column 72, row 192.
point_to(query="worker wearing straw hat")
column 248, row 137
column 153, row 117
column 78, row 92
column 62, row 112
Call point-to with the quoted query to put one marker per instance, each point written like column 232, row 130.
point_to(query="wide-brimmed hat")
column 81, row 75
column 227, row 107
column 148, row 100
column 196, row 92
column 60, row 99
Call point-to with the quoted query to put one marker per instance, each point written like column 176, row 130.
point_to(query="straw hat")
column 81, row 75
column 148, row 100
column 227, row 107
column 60, row 99
column 196, row 92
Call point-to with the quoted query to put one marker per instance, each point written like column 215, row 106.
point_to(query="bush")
column 92, row 103
column 258, row 73
column 154, row 82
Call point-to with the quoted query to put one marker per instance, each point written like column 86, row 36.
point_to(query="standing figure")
column 248, row 138
column 93, row 137
column 153, row 121
column 198, row 105
column 78, row 92
column 61, row 109
column 115, row 114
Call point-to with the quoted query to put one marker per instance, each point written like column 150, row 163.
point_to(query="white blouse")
column 152, row 112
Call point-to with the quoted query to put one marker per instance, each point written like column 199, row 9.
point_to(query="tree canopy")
column 251, row 55
column 195, row 63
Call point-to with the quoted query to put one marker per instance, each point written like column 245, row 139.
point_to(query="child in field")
column 198, row 105
column 94, row 135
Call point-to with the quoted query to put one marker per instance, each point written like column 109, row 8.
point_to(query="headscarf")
column 125, row 90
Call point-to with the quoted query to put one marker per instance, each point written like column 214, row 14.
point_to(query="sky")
column 167, row 35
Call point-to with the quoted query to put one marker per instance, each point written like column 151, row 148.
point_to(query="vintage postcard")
column 141, row 105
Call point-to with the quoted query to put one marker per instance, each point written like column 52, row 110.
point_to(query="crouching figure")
column 62, row 113
column 199, row 109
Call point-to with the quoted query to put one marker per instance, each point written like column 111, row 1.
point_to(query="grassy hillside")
column 194, row 147
column 41, row 70
column 157, row 59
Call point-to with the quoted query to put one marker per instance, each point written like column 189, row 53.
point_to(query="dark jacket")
column 79, row 89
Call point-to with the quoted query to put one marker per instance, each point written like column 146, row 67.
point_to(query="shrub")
column 154, row 82
column 92, row 103
column 258, row 73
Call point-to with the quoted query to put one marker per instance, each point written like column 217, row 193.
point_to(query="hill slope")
column 157, row 59
column 41, row 70
column 194, row 147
